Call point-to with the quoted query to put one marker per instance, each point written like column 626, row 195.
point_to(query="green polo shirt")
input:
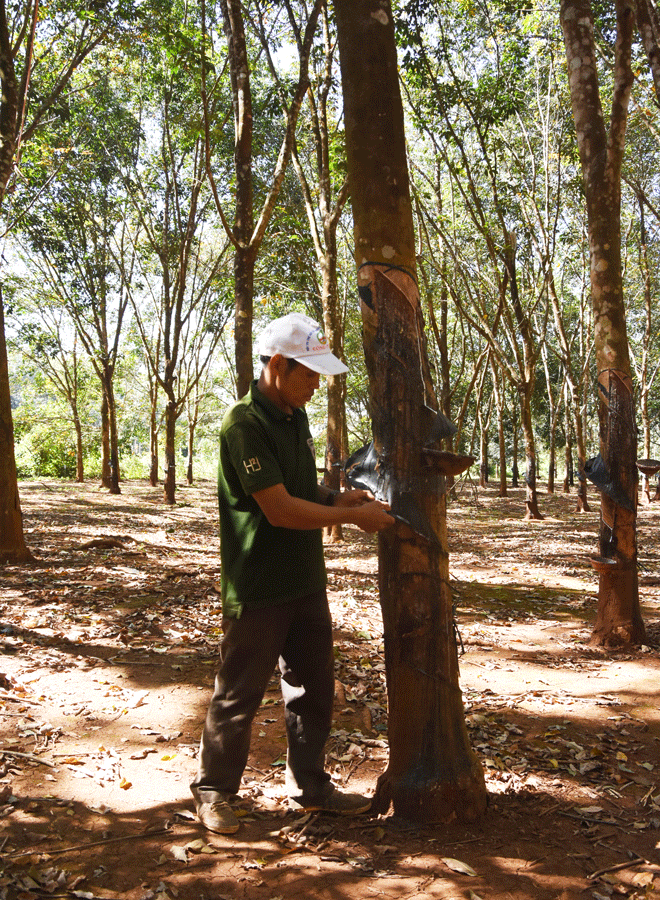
column 261, row 446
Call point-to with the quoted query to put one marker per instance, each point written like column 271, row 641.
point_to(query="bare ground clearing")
column 107, row 660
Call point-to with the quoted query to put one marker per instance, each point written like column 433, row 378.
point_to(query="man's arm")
column 284, row 511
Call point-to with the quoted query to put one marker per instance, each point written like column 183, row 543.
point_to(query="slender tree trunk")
column 109, row 392
column 526, row 383
column 12, row 539
column 244, row 297
column 169, row 486
column 153, row 431
column 153, row 454
column 192, row 424
column 552, row 463
column 483, row 454
column 580, row 446
column 501, row 438
column 619, row 621
column 531, row 501
column 515, row 471
column 9, row 106
column 568, row 446
column 244, row 211
column 432, row 774
column 106, row 471
column 336, row 449
column 643, row 374
column 554, row 406
column 80, row 466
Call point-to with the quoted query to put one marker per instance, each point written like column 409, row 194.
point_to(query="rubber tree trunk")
column 244, row 261
column 153, row 448
column 80, row 462
column 618, row 620
column 169, row 485
column 191, row 450
column 501, row 437
column 12, row 539
column 526, row 383
column 109, row 392
column 106, row 478
column 336, row 433
column 582, row 497
column 432, row 774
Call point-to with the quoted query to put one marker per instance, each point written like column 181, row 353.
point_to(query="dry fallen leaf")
column 457, row 866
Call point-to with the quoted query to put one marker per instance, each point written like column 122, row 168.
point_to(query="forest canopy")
column 122, row 214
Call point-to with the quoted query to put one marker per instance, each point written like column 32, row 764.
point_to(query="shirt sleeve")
column 252, row 458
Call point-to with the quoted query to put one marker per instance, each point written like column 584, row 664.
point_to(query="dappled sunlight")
column 108, row 660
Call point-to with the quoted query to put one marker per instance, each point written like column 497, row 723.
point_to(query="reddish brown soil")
column 108, row 655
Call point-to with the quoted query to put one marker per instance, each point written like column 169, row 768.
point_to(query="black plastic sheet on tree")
column 365, row 469
column 598, row 474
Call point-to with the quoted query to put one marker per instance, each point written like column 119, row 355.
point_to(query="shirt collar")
column 268, row 406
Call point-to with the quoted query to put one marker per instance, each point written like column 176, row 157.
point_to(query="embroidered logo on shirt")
column 252, row 465
column 310, row 444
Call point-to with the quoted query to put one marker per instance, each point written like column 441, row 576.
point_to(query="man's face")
column 296, row 385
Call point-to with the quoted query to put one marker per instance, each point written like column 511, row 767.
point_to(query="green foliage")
column 46, row 451
column 492, row 150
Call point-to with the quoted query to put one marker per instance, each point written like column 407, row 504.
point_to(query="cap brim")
column 323, row 363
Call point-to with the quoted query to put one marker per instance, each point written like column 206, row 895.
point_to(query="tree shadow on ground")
column 571, row 763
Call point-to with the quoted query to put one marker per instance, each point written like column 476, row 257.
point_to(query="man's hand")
column 352, row 498
column 371, row 516
column 367, row 513
column 284, row 511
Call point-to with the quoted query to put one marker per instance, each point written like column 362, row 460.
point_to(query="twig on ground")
column 14, row 699
column 624, row 865
column 28, row 756
column 114, row 840
column 612, row 822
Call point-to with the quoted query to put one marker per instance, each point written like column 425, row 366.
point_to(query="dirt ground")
column 107, row 659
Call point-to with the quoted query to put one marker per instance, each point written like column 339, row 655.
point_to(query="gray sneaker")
column 218, row 816
column 336, row 803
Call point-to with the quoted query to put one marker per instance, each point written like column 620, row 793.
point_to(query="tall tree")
column 40, row 52
column 432, row 773
column 465, row 109
column 619, row 621
column 324, row 203
column 247, row 232
column 47, row 339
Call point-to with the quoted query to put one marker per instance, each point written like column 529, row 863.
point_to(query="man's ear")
column 278, row 363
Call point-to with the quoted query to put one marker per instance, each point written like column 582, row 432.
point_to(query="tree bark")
column 247, row 235
column 432, row 774
column 9, row 105
column 106, row 477
column 12, row 539
column 515, row 471
column 336, row 445
column 618, row 621
column 169, row 485
column 501, row 441
column 526, row 383
column 153, row 432
column 324, row 208
column 80, row 466
column 109, row 393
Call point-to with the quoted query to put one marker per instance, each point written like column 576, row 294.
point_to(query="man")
column 275, row 608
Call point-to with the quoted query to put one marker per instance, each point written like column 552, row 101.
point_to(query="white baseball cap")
column 298, row 337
